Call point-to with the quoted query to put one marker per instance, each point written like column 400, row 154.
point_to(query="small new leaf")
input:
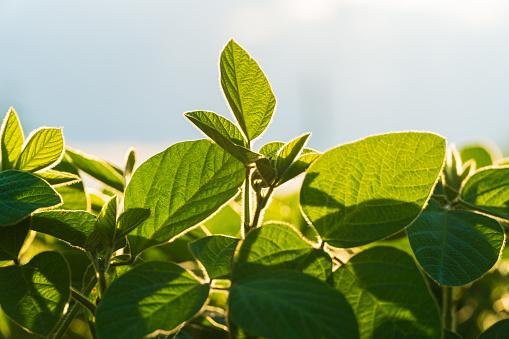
column 11, row 139
column 130, row 219
column 44, row 149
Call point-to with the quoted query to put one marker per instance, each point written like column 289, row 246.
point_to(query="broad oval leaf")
column 247, row 90
column 499, row 330
column 22, row 193
column 73, row 227
column 34, row 295
column 224, row 133
column 455, row 247
column 276, row 246
column 99, row 169
column 11, row 139
column 389, row 295
column 182, row 186
column 215, row 253
column 152, row 296
column 369, row 189
column 488, row 189
column 288, row 305
column 44, row 149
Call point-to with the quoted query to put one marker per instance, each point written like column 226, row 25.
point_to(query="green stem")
column 76, row 295
column 260, row 206
column 247, row 203
column 73, row 311
column 448, row 308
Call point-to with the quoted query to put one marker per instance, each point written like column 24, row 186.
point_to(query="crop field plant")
column 386, row 238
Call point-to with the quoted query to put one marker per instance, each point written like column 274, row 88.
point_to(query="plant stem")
column 448, row 308
column 76, row 295
column 260, row 206
column 65, row 322
column 247, row 203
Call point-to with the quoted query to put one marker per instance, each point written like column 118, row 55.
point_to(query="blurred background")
column 121, row 72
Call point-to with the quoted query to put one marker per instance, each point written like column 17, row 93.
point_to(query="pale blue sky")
column 120, row 73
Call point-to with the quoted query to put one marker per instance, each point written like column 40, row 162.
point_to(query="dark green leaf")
column 104, row 234
column 34, row 295
column 22, row 193
column 389, row 295
column 288, row 304
column 182, row 185
column 12, row 239
column 455, row 247
column 11, row 139
column 152, row 296
column 130, row 162
column 499, row 330
column 488, row 189
column 99, row 169
column 44, row 149
column 369, row 189
column 276, row 246
column 247, row 90
column 73, row 227
column 215, row 253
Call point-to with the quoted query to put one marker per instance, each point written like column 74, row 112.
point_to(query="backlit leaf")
column 369, row 189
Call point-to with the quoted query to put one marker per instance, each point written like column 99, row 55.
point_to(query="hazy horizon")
column 121, row 73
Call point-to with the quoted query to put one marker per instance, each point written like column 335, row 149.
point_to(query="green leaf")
column 224, row 133
column 57, row 178
column 22, row 193
column 488, row 189
column 288, row 304
column 12, row 239
column 300, row 165
column 11, row 139
column 34, row 295
column 247, row 90
column 105, row 227
column 130, row 162
column 367, row 190
column 389, row 295
column 73, row 195
column 276, row 246
column 289, row 152
column 130, row 219
column 99, row 169
column 482, row 155
column 498, row 330
column 270, row 149
column 455, row 247
column 182, row 185
column 44, row 149
column 152, row 296
column 215, row 253
column 73, row 227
